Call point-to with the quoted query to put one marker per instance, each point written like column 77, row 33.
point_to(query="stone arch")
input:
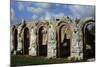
column 64, row 36
column 88, row 30
column 42, row 40
column 26, row 40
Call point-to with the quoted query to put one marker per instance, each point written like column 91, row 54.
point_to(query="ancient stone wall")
column 53, row 34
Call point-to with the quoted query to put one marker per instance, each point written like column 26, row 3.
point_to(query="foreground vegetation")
column 20, row 60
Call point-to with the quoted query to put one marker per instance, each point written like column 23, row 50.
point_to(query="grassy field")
column 19, row 60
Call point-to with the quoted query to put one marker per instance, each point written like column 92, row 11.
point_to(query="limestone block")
column 51, row 42
column 32, row 47
column 14, row 52
column 11, row 42
column 32, row 51
column 19, row 48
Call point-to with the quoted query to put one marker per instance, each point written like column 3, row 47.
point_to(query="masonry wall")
column 52, row 37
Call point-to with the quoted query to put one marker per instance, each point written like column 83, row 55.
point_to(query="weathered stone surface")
column 51, row 42
column 51, row 37
column 11, row 41
column 19, row 48
column 32, row 47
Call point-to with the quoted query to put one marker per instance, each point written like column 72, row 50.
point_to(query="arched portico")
column 63, row 40
column 26, row 41
column 42, row 40
column 89, row 39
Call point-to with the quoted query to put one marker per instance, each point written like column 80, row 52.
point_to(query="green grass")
column 20, row 60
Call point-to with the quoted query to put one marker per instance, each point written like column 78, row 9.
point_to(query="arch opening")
column 89, row 40
column 64, row 42
column 15, row 39
column 26, row 41
column 42, row 41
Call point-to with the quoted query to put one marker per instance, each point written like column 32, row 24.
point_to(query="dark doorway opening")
column 42, row 46
column 65, row 47
column 26, row 41
column 15, row 40
column 89, row 41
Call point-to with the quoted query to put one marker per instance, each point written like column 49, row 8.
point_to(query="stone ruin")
column 52, row 39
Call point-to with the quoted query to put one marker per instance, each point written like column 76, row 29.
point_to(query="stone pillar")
column 32, row 47
column 76, row 49
column 19, row 36
column 74, row 42
column 80, row 44
column 51, row 42
column 11, row 41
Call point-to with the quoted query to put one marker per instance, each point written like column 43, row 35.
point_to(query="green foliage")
column 22, row 60
column 29, row 60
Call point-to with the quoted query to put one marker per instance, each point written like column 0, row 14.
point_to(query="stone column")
column 51, row 42
column 11, row 41
column 19, row 36
column 32, row 47
column 80, row 44
column 76, row 43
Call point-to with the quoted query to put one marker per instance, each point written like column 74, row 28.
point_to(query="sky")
column 30, row 10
